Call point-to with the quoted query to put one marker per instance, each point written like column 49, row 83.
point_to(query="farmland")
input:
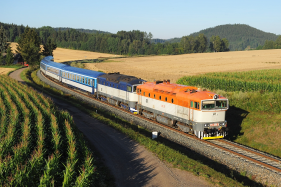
column 62, row 55
column 39, row 144
column 174, row 67
column 255, row 107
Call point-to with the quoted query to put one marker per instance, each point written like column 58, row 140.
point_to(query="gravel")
column 260, row 173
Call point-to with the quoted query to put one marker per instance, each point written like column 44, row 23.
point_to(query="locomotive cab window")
column 191, row 104
column 129, row 89
column 134, row 88
column 214, row 104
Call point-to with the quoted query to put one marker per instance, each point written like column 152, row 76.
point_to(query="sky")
column 164, row 19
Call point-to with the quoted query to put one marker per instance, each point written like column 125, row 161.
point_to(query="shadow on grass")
column 234, row 118
column 238, row 115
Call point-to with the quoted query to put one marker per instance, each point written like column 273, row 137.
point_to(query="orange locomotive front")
column 188, row 108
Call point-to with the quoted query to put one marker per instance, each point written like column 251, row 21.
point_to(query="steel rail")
column 188, row 135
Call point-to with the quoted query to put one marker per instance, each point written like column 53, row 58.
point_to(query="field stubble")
column 174, row 67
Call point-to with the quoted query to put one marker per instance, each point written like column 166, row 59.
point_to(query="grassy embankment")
column 255, row 105
column 167, row 151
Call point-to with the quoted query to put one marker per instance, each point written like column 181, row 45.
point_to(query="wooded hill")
column 240, row 36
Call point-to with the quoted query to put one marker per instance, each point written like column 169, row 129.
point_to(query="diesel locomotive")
column 188, row 108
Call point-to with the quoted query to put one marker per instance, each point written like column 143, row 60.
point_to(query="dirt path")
column 130, row 163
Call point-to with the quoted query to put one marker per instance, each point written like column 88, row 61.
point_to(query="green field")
column 254, row 116
column 39, row 145
column 259, row 80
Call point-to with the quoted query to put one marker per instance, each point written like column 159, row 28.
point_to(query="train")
column 187, row 108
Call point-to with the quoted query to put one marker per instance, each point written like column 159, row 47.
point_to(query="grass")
column 165, row 150
column 254, row 116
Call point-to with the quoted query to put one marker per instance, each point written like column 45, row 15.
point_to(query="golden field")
column 4, row 71
column 174, row 67
column 62, row 55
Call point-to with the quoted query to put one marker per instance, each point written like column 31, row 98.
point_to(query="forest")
column 123, row 42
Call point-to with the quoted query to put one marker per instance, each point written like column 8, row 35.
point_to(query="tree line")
column 29, row 47
column 270, row 44
column 123, row 42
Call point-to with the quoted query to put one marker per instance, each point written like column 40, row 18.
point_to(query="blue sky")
column 164, row 19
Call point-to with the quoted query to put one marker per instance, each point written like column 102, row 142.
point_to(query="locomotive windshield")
column 214, row 104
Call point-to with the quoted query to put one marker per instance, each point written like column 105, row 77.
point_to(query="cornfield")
column 39, row 145
column 260, row 80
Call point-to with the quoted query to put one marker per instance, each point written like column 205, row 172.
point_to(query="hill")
column 81, row 30
column 240, row 36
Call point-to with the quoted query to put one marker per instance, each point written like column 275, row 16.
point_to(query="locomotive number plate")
column 214, row 124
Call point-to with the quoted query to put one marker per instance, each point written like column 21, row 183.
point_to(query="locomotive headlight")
column 222, row 124
column 206, row 125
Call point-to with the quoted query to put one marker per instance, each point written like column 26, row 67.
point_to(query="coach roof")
column 53, row 64
column 80, row 71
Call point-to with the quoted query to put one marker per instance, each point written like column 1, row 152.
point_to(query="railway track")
column 263, row 162
column 261, row 158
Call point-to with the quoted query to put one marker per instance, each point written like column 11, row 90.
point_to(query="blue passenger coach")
column 82, row 79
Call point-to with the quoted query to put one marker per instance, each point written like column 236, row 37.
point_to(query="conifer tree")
column 3, row 41
column 48, row 48
column 9, row 57
column 29, row 47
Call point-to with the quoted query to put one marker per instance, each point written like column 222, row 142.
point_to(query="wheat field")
column 62, row 55
column 174, row 67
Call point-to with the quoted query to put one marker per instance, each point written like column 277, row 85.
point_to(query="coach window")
column 143, row 93
column 140, row 91
column 154, row 96
column 172, row 100
column 160, row 97
column 191, row 104
column 149, row 95
column 165, row 98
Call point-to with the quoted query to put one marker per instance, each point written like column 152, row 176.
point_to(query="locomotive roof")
column 86, row 72
column 181, row 91
column 117, row 78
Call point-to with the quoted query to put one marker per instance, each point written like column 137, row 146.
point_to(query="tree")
column 278, row 43
column 202, row 43
column 48, row 48
column 9, row 57
column 3, row 41
column 224, row 45
column 29, row 46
